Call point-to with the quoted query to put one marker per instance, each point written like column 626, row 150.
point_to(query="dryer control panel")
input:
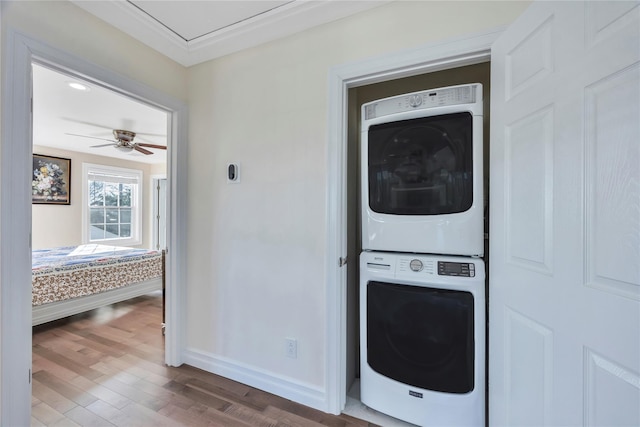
column 463, row 269
column 441, row 97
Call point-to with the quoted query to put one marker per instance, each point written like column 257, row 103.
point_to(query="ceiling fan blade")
column 141, row 150
column 144, row 144
column 103, row 145
column 87, row 136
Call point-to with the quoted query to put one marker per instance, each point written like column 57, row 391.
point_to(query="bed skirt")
column 57, row 310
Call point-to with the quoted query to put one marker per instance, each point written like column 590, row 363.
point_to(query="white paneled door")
column 160, row 214
column 564, row 332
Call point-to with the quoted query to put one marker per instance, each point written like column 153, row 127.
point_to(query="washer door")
column 420, row 336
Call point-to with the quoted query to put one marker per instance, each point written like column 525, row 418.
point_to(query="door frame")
column 20, row 51
column 437, row 56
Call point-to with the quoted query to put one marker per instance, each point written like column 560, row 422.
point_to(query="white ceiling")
column 194, row 19
column 190, row 32
column 59, row 110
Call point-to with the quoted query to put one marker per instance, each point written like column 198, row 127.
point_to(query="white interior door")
column 565, row 217
column 160, row 214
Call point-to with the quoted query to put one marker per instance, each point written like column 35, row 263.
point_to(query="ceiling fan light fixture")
column 124, row 135
column 124, row 148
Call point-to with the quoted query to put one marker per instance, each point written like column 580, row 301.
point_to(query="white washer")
column 422, row 339
column 422, row 172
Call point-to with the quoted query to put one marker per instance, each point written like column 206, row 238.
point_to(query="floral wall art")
column 51, row 181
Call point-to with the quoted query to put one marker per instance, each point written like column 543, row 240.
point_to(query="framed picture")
column 51, row 180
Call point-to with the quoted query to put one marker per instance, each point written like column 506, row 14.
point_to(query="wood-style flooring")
column 106, row 368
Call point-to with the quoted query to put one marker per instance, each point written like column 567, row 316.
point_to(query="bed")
column 73, row 279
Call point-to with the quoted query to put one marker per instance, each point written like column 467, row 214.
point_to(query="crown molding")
column 131, row 20
column 291, row 18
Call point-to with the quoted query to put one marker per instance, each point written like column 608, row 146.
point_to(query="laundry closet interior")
column 477, row 73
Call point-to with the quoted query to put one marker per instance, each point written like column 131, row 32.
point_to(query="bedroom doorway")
column 121, row 138
column 16, row 193
column 94, row 150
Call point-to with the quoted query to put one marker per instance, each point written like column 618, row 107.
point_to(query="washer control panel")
column 463, row 269
column 433, row 269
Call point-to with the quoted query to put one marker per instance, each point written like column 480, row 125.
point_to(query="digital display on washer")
column 463, row 269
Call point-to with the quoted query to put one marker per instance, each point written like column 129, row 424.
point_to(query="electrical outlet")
column 291, row 347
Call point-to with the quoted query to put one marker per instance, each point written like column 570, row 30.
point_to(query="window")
column 112, row 204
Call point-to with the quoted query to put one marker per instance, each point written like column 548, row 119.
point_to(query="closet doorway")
column 476, row 73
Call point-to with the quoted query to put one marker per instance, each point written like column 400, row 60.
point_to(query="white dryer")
column 422, row 338
column 422, row 172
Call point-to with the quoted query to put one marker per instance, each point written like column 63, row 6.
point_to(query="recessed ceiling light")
column 78, row 86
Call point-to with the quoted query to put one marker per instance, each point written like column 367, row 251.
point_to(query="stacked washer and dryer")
column 422, row 277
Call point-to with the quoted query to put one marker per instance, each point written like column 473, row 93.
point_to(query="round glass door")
column 421, row 336
column 421, row 166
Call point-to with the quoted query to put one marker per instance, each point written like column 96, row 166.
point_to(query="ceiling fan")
column 124, row 142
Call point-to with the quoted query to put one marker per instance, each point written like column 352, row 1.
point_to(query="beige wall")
column 256, row 269
column 61, row 225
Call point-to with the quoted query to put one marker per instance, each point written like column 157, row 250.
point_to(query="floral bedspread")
column 73, row 271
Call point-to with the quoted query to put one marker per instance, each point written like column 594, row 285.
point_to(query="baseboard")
column 297, row 391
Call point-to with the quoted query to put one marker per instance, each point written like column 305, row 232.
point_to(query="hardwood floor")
column 106, row 368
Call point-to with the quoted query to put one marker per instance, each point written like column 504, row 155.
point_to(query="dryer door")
column 421, row 166
column 421, row 336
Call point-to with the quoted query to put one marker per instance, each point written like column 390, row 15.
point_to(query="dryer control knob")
column 415, row 100
column 416, row 265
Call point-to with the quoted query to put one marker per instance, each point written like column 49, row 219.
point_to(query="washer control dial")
column 416, row 265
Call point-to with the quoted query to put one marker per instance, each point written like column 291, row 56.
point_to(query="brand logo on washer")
column 415, row 394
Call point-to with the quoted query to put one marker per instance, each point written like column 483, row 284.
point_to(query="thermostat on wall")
column 233, row 173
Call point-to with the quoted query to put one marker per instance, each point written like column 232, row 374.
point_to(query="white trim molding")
column 442, row 55
column 15, row 229
column 297, row 391
column 292, row 17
